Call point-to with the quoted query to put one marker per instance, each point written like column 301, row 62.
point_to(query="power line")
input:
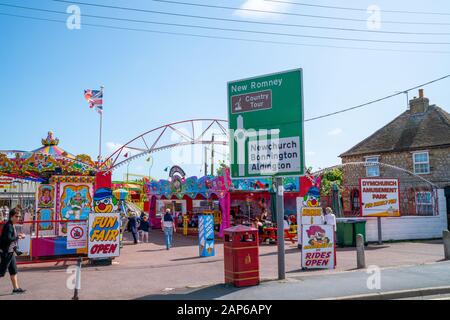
column 227, row 38
column 358, row 9
column 378, row 100
column 237, row 30
column 293, row 14
column 252, row 21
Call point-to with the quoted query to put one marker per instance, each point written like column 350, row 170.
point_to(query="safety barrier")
column 46, row 241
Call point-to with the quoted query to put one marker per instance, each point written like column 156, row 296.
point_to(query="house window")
column 424, row 203
column 421, row 162
column 372, row 167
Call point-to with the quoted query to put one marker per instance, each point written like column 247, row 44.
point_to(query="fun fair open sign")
column 104, row 235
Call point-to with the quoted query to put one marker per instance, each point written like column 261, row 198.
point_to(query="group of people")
column 4, row 213
column 260, row 222
column 27, row 213
column 138, row 226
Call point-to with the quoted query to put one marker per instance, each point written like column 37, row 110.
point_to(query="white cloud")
column 335, row 132
column 113, row 146
column 262, row 5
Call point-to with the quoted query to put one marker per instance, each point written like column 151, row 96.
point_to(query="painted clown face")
column 103, row 205
column 317, row 236
column 312, row 198
column 103, row 200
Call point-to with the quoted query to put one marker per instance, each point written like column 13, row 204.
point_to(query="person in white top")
column 286, row 225
column 329, row 218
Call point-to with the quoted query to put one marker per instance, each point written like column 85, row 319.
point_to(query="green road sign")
column 265, row 116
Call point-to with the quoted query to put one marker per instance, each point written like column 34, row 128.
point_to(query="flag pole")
column 100, row 136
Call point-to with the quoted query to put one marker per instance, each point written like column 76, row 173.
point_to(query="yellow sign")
column 311, row 211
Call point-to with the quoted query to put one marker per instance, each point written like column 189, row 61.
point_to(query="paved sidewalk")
column 148, row 269
column 325, row 286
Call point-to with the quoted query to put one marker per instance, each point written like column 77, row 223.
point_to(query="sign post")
column 265, row 119
column 280, row 228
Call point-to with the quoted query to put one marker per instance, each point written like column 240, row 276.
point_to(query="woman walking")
column 8, row 248
column 168, row 226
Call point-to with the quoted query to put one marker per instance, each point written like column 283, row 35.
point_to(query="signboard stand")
column 280, row 228
column 206, row 235
column 103, row 237
column 380, row 197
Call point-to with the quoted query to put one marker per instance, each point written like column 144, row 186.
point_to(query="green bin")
column 345, row 234
column 360, row 228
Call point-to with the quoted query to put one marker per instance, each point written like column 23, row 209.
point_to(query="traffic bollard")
column 360, row 255
column 446, row 240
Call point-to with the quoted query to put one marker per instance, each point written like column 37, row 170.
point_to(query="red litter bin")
column 241, row 256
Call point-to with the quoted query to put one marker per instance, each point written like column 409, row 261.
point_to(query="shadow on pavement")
column 207, row 293
column 156, row 237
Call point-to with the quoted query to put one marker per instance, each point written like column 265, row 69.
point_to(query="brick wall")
column 409, row 184
column 439, row 166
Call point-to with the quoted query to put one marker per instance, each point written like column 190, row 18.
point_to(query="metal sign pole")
column 380, row 238
column 77, row 280
column 280, row 228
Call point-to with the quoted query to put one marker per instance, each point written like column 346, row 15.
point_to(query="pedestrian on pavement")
column 144, row 228
column 9, row 248
column 168, row 226
column 133, row 223
column 329, row 218
column 286, row 225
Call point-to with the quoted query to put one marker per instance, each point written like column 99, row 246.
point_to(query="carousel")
column 64, row 193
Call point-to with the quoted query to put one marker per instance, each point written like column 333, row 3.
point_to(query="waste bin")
column 345, row 234
column 241, row 256
column 359, row 227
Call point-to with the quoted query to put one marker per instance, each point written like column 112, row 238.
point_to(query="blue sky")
column 153, row 79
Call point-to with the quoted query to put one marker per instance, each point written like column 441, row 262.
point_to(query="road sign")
column 266, row 125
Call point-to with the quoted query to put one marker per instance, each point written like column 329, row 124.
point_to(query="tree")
column 221, row 168
column 330, row 177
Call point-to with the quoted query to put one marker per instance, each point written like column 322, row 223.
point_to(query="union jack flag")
column 95, row 99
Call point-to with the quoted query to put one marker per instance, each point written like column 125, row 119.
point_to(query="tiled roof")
column 408, row 132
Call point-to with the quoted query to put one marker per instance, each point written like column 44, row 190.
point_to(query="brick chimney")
column 420, row 104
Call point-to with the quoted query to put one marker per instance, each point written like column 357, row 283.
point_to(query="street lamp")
column 150, row 161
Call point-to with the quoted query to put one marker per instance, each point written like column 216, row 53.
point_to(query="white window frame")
column 418, row 204
column 377, row 166
column 421, row 162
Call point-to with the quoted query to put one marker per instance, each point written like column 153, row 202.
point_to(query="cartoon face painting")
column 317, row 236
column 76, row 202
column 45, row 199
column 103, row 200
column 312, row 198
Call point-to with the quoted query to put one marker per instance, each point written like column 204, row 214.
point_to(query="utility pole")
column 280, row 227
column 212, row 155
column 206, row 161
